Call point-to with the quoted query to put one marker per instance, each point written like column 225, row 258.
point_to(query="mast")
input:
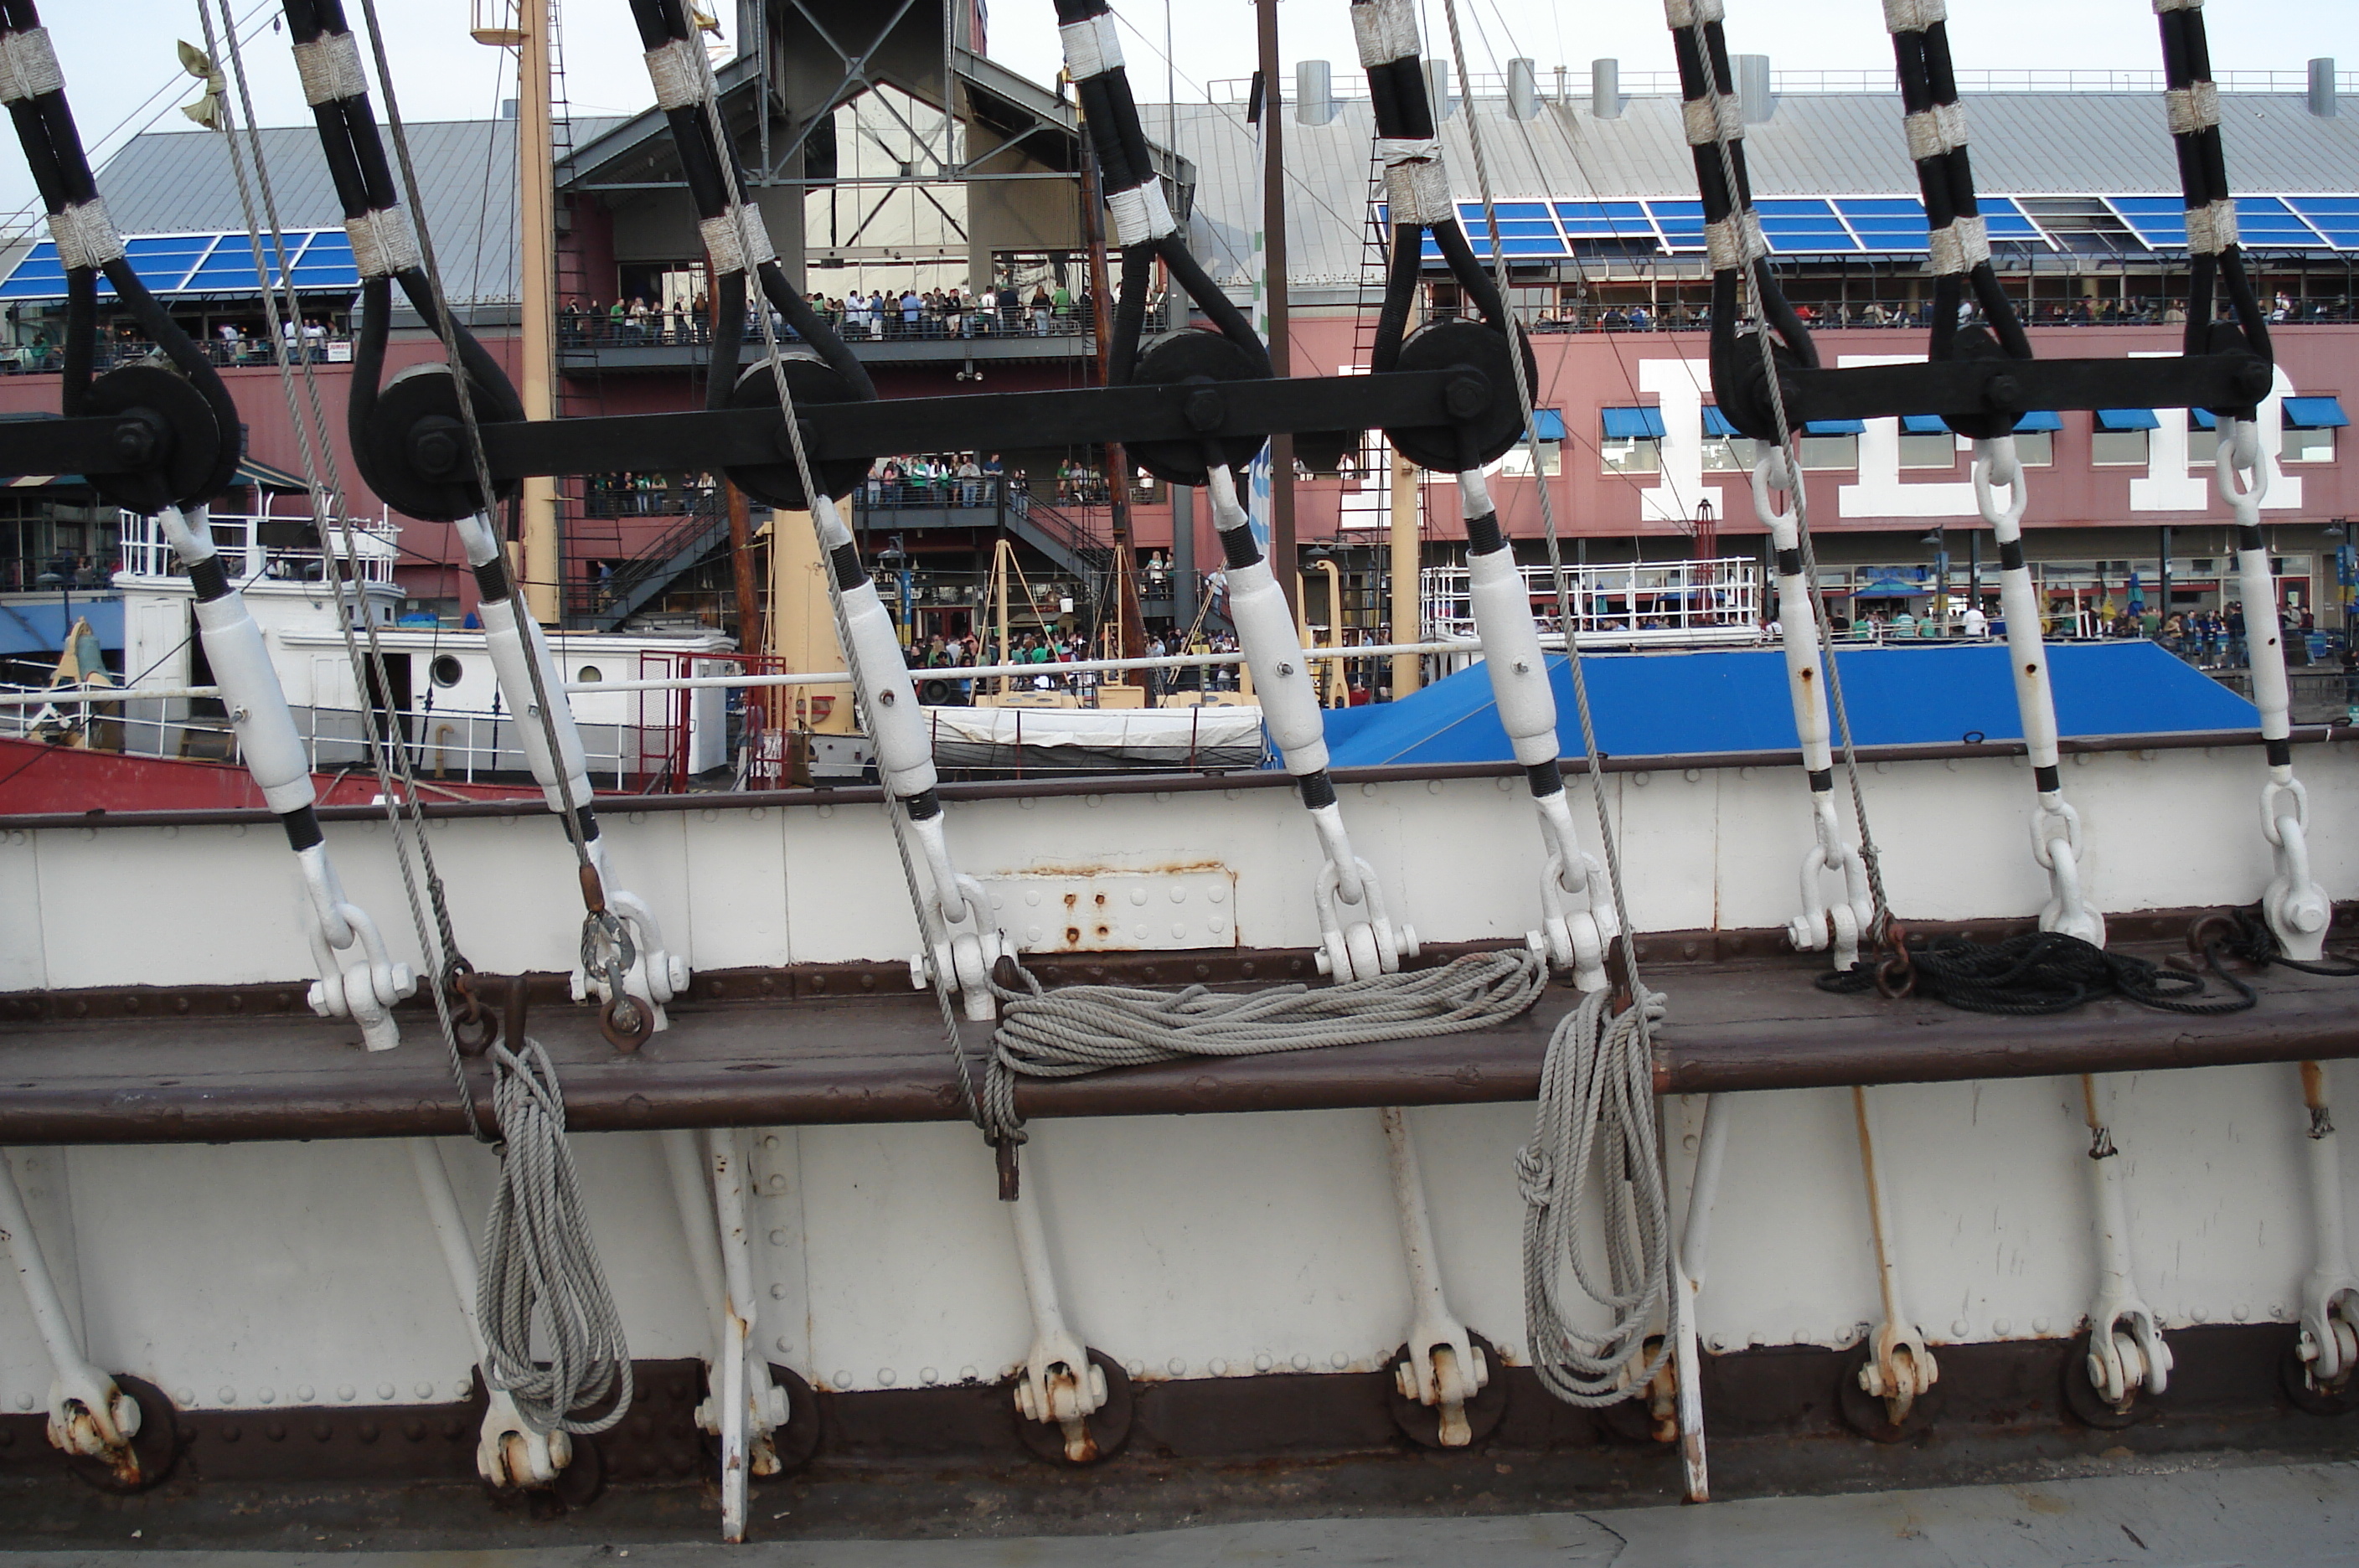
column 1129, row 623
column 1284, row 560
column 540, row 572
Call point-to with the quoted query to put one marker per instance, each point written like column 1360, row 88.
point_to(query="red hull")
column 38, row 780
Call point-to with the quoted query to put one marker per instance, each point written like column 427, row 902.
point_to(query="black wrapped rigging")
column 147, row 436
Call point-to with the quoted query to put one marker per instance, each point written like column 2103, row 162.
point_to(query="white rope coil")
column 720, row 241
column 1077, row 1030
column 1691, row 13
column 2211, row 229
column 1935, row 132
column 1596, row 1126
column 1960, row 245
column 1091, row 48
column 1708, row 120
column 1913, row 15
column 329, row 67
column 1736, row 241
column 1385, row 31
column 678, row 72
column 382, row 243
column 86, row 234
column 539, row 1264
column 1418, row 191
column 2195, row 108
column 1140, row 214
column 28, row 66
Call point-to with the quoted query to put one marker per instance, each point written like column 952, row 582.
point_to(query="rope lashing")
column 1596, row 1128
column 538, row 1267
column 2243, row 933
column 1079, row 1029
column 2046, row 972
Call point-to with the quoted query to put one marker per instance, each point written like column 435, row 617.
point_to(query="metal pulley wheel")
column 1193, row 355
column 809, row 380
column 1482, row 405
column 181, row 444
column 414, row 452
column 1109, row 1425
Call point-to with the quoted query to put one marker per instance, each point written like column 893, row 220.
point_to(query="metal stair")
column 1068, row 541
column 687, row 545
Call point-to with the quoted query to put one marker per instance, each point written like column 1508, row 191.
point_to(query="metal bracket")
column 1444, row 1368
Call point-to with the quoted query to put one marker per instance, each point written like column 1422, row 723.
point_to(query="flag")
column 207, row 109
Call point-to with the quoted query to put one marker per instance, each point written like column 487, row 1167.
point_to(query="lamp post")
column 1939, row 539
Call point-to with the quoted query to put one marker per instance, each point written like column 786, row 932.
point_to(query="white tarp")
column 1155, row 737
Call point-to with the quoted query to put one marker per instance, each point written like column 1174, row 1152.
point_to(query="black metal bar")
column 1966, row 387
column 1007, row 421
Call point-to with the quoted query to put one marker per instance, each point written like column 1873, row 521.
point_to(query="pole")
column 1130, row 629
column 1402, row 496
column 1283, row 561
column 2162, row 610
column 544, row 571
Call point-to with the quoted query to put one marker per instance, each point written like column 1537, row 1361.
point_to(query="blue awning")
column 1923, row 425
column 1634, row 424
column 2315, row 414
column 2201, row 419
column 1548, row 424
column 1834, row 427
column 1715, row 423
column 2036, row 420
column 2128, row 419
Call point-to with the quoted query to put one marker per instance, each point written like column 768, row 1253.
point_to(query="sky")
column 121, row 72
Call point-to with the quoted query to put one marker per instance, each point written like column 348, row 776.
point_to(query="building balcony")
column 608, row 346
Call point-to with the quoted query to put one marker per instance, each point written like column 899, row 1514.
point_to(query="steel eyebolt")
column 625, row 1021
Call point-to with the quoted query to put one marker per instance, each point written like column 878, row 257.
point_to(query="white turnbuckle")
column 366, row 989
column 2297, row 909
column 2126, row 1350
column 1059, row 1386
column 1836, row 926
column 88, row 1414
column 1899, row 1369
column 1445, row 1368
column 509, row 1450
column 2055, row 826
column 1357, row 940
column 2329, row 1293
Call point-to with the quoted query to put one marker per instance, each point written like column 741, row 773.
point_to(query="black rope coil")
column 2043, row 973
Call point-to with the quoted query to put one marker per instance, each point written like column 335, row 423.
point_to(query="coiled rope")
column 1087, row 1029
column 2042, row 973
column 1595, row 1122
column 2244, row 933
column 538, row 1258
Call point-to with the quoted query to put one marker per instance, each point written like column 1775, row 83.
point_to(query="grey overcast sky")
column 122, row 73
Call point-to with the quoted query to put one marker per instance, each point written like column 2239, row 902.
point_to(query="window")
column 2118, row 437
column 2309, row 427
column 2203, row 439
column 1730, row 454
column 445, row 670
column 1829, row 451
column 2117, row 449
column 589, row 675
column 1636, row 455
column 2033, row 448
column 2308, row 446
column 1632, row 442
column 1927, row 451
column 1517, row 462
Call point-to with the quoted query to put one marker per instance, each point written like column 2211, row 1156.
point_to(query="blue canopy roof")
column 2039, row 420
column 2315, row 414
column 2128, row 419
column 1655, row 705
column 1923, row 424
column 1834, row 427
column 1547, row 424
column 1634, row 424
column 1715, row 423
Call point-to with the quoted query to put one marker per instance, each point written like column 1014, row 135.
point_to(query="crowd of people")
column 1677, row 315
column 1047, row 310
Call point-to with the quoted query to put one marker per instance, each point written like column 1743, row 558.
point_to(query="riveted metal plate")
column 1099, row 909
